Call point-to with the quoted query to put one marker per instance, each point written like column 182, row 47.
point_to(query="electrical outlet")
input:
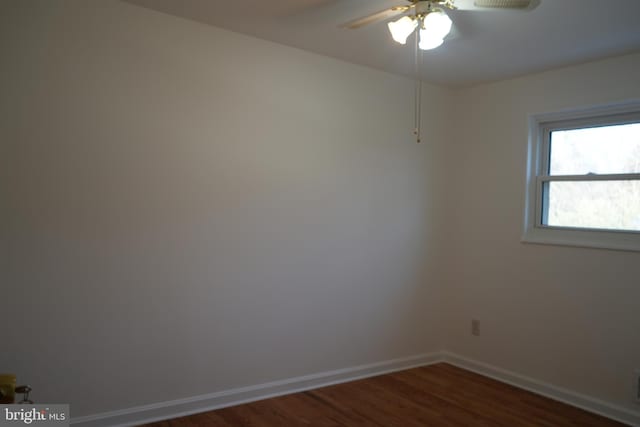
column 475, row 327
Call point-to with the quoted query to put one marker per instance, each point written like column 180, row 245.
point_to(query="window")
column 583, row 184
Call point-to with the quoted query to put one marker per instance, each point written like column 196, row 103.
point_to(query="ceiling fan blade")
column 374, row 17
column 496, row 4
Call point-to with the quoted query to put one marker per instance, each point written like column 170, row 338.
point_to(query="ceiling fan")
column 429, row 15
column 434, row 24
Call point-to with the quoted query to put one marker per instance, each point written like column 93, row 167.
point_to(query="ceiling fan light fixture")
column 437, row 23
column 428, row 41
column 435, row 27
column 402, row 28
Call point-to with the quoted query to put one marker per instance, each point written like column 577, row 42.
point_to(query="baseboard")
column 208, row 402
column 569, row 397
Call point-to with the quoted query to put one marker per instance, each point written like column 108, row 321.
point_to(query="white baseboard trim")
column 209, row 402
column 569, row 397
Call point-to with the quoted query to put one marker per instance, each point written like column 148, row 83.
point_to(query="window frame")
column 538, row 157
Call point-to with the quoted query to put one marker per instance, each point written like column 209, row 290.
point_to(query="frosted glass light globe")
column 402, row 28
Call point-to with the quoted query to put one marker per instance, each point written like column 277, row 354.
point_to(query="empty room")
column 320, row 212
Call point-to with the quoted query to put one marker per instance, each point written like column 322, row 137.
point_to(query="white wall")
column 186, row 210
column 566, row 316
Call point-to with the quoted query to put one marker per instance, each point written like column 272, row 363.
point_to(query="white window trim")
column 537, row 157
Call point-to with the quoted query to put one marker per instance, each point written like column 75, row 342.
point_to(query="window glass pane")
column 599, row 150
column 611, row 205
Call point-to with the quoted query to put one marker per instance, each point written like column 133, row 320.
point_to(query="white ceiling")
column 484, row 45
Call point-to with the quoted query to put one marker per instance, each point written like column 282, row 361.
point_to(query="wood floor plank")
column 439, row 395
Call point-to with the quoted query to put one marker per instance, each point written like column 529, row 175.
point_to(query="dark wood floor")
column 434, row 396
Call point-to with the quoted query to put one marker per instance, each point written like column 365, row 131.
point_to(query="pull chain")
column 418, row 93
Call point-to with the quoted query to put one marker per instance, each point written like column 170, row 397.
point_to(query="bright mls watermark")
column 34, row 415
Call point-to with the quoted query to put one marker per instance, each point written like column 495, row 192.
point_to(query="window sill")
column 610, row 240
